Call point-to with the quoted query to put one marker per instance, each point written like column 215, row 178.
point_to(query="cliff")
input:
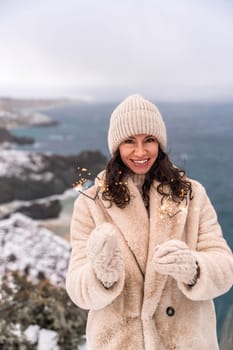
column 28, row 175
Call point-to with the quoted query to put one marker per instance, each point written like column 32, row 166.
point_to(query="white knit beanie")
column 134, row 116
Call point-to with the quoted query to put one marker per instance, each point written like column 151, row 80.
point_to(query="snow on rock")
column 14, row 163
column 14, row 119
column 38, row 119
column 32, row 333
column 6, row 145
column 25, row 245
column 47, row 340
column 30, row 175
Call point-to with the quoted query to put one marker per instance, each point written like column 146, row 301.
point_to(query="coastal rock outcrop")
column 29, row 175
column 41, row 211
column 22, row 112
column 12, row 119
column 7, row 137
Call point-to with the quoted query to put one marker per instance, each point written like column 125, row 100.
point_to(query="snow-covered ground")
column 26, row 244
column 45, row 338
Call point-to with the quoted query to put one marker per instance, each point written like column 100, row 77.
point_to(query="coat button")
column 170, row 311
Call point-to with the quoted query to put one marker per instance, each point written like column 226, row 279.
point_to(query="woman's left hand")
column 174, row 258
column 105, row 255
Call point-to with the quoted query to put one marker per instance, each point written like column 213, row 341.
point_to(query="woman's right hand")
column 174, row 258
column 104, row 253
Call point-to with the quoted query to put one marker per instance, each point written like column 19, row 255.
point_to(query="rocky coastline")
column 7, row 139
column 31, row 188
column 30, row 176
column 23, row 112
column 33, row 183
column 27, row 175
column 15, row 113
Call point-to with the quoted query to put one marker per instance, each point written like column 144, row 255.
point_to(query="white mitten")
column 174, row 258
column 105, row 255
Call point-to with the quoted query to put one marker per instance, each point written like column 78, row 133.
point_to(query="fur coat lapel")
column 133, row 223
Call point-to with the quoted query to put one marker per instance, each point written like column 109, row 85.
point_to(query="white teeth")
column 140, row 161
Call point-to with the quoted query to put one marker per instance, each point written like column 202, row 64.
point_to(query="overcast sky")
column 106, row 49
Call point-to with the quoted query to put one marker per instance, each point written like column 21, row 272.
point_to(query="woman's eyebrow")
column 149, row 137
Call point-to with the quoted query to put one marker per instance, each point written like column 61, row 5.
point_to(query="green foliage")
column 25, row 303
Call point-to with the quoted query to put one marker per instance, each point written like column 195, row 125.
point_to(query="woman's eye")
column 150, row 139
column 128, row 141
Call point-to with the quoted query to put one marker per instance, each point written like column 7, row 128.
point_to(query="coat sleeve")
column 82, row 284
column 213, row 255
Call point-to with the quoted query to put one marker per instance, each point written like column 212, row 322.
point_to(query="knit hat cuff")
column 135, row 116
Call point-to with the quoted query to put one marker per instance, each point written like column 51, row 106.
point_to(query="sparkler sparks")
column 81, row 183
column 84, row 176
column 170, row 208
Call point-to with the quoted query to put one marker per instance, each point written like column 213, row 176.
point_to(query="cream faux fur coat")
column 146, row 310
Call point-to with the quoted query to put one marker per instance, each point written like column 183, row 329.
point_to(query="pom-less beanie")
column 134, row 116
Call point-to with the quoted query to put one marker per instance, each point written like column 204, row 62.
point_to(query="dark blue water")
column 200, row 140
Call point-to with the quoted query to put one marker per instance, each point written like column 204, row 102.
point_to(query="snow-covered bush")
column 25, row 303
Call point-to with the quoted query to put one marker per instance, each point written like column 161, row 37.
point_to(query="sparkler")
column 84, row 176
column 170, row 209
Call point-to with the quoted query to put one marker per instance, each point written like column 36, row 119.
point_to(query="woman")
column 148, row 255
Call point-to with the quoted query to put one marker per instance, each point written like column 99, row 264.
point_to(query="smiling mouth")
column 140, row 162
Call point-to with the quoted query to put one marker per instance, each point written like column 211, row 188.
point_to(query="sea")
column 200, row 140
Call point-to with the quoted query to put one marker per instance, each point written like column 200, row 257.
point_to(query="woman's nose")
column 139, row 150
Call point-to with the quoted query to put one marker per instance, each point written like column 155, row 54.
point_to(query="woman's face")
column 139, row 152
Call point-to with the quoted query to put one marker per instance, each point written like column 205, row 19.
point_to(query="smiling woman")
column 139, row 152
column 148, row 255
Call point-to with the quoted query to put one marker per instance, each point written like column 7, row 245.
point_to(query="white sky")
column 106, row 49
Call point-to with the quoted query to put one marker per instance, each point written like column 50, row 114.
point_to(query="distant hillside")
column 22, row 112
column 14, row 104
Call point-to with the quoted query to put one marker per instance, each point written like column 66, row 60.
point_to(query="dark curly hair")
column 169, row 176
